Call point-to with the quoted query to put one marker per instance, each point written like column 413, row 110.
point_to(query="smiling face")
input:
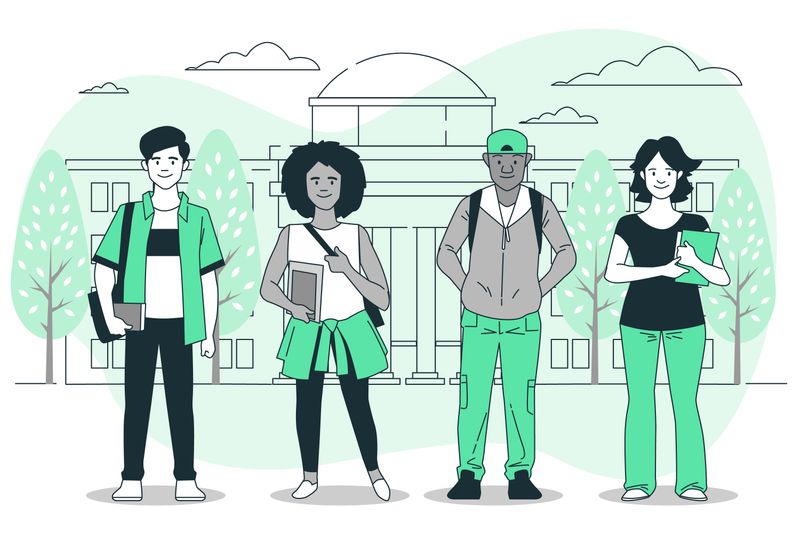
column 507, row 170
column 324, row 186
column 660, row 178
column 166, row 167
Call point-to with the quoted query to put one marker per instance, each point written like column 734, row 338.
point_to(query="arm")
column 373, row 285
column 454, row 236
column 618, row 272
column 270, row 290
column 555, row 232
column 104, row 278
column 210, row 299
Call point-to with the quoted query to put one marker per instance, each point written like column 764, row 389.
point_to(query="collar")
column 490, row 204
column 147, row 205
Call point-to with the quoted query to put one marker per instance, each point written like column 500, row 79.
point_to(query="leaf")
column 765, row 300
column 753, row 289
column 68, row 312
column 713, row 300
column 28, row 245
column 585, row 272
column 80, row 293
column 237, row 306
column 23, row 293
column 52, row 209
column 201, row 194
column 722, row 315
column 568, row 293
column 25, row 230
column 755, row 255
column 65, row 209
column 602, row 240
column 611, row 209
column 613, row 312
column 596, row 176
column 42, row 187
column 578, row 309
column 218, row 193
column 81, row 261
column 242, row 216
column 69, row 244
column 730, row 201
column 32, row 309
column 581, row 210
column 63, row 192
column 587, row 186
column 755, row 318
column 250, row 251
column 596, row 209
column 73, row 231
column 233, row 194
column 231, row 174
column 231, row 212
column 237, row 232
column 235, row 272
column 208, row 169
column 57, row 240
column 50, row 176
column 223, row 228
column 738, row 192
column 36, row 210
column 40, row 272
column 582, row 226
column 249, row 285
column 22, row 266
column 588, row 245
column 217, row 158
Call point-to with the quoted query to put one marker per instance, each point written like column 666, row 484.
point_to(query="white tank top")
column 340, row 299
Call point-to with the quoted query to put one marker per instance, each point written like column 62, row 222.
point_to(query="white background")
column 58, row 444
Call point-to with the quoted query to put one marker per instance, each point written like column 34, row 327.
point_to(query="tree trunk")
column 48, row 363
column 215, row 370
column 737, row 334
column 595, row 362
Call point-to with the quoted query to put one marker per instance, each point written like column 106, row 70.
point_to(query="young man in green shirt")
column 501, row 294
column 172, row 253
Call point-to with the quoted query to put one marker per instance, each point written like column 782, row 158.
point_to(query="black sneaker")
column 521, row 488
column 467, row 488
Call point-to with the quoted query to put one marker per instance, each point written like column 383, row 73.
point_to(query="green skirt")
column 357, row 332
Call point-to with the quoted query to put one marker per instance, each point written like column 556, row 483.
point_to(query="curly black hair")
column 672, row 153
column 162, row 138
column 345, row 161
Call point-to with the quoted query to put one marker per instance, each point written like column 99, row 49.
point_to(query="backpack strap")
column 537, row 208
column 118, row 291
column 474, row 208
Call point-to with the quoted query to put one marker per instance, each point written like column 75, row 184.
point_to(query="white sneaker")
column 634, row 495
column 305, row 490
column 695, row 495
column 129, row 491
column 187, row 491
column 381, row 488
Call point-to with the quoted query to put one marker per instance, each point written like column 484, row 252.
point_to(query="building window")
column 95, row 242
column 704, row 197
column 244, row 353
column 555, row 309
column 120, row 194
column 98, row 197
column 99, row 354
column 559, row 193
column 616, row 349
column 225, row 353
column 559, row 353
column 708, row 354
column 118, row 354
column 580, row 353
column 684, row 206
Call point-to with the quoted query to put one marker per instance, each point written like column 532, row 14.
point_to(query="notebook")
column 705, row 246
column 305, row 285
column 132, row 314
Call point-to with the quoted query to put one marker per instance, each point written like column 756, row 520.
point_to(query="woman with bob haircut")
column 325, row 182
column 657, row 306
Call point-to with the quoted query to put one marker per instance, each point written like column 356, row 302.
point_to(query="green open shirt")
column 199, row 254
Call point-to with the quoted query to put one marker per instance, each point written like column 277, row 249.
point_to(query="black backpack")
column 536, row 212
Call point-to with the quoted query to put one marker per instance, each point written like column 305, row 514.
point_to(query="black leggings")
column 309, row 408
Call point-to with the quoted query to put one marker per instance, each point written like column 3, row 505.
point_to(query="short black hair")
column 672, row 153
column 161, row 138
column 345, row 161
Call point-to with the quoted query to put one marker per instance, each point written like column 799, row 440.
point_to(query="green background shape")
column 253, row 427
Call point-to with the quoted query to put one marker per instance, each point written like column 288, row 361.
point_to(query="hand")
column 338, row 262
column 301, row 312
column 117, row 326
column 688, row 255
column 673, row 269
column 207, row 347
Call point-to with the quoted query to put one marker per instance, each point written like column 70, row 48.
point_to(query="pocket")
column 377, row 336
column 283, row 349
column 531, row 395
column 533, row 322
column 463, row 399
column 468, row 319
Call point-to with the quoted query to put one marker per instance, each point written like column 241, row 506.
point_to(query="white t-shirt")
column 163, row 294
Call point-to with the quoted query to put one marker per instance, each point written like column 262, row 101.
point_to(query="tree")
column 50, row 270
column 741, row 310
column 585, row 297
column 218, row 181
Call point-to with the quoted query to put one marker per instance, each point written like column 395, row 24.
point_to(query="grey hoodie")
column 502, row 281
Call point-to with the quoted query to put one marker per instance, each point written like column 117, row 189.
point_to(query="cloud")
column 263, row 56
column 106, row 88
column 565, row 115
column 663, row 66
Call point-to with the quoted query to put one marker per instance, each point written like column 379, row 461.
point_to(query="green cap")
column 506, row 142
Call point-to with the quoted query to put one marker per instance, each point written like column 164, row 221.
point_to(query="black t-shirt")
column 659, row 303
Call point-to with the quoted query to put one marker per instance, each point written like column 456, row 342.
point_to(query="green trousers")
column 683, row 350
column 517, row 342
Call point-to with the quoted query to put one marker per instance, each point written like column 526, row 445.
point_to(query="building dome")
column 402, row 75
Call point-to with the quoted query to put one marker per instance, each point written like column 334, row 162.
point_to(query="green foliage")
column 595, row 204
column 50, row 271
column 219, row 184
column 745, row 249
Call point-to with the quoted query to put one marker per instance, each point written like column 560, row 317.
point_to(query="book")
column 705, row 246
column 132, row 314
column 305, row 285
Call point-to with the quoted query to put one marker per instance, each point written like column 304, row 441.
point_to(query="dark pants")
column 141, row 349
column 309, row 408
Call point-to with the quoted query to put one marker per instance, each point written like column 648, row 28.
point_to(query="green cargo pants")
column 517, row 341
column 683, row 350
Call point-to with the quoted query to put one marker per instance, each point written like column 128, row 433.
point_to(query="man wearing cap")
column 501, row 294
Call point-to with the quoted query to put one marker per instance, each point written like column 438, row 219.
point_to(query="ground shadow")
column 665, row 495
column 153, row 495
column 340, row 495
column 493, row 495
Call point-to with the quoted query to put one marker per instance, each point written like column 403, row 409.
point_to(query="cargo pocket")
column 283, row 349
column 468, row 319
column 462, row 392
column 531, row 398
